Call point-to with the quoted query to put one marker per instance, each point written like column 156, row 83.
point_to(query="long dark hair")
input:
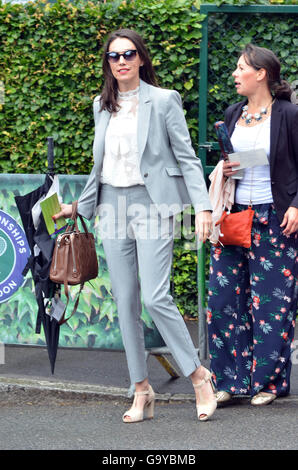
column 262, row 58
column 109, row 93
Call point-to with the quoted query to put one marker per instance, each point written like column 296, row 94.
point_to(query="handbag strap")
column 74, row 217
column 66, row 290
column 223, row 216
column 63, row 319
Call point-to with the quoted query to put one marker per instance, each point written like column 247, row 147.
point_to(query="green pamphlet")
column 49, row 207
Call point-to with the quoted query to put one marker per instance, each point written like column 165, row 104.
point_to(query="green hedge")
column 50, row 64
column 50, row 67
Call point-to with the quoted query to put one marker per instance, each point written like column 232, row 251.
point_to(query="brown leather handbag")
column 235, row 228
column 74, row 258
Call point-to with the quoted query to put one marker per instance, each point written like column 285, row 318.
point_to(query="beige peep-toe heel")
column 135, row 415
column 205, row 410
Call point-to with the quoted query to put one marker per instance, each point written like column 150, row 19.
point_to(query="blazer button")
column 272, row 182
column 145, row 175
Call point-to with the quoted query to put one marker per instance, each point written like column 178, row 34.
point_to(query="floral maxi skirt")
column 252, row 309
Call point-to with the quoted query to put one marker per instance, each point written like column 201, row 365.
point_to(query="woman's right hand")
column 227, row 168
column 66, row 211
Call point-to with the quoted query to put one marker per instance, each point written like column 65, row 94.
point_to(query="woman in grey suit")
column 145, row 171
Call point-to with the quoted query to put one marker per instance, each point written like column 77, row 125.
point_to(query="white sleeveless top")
column 256, row 182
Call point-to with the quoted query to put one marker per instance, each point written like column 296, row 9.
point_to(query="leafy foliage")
column 252, row 2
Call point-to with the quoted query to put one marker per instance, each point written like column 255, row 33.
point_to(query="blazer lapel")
column 275, row 126
column 235, row 116
column 144, row 113
column 100, row 133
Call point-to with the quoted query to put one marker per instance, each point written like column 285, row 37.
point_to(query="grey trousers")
column 138, row 245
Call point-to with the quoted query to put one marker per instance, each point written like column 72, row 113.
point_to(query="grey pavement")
column 80, row 407
column 92, row 371
column 35, row 421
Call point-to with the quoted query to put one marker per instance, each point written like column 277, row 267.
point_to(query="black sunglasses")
column 127, row 55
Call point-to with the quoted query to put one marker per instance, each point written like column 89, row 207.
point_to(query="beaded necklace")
column 248, row 117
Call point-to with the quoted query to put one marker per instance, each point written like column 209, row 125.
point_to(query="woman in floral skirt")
column 253, row 291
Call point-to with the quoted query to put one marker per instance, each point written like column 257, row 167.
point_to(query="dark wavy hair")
column 262, row 58
column 109, row 93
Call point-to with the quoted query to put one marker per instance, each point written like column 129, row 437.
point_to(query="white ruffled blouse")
column 121, row 166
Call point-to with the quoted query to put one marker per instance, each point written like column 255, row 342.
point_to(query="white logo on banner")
column 14, row 253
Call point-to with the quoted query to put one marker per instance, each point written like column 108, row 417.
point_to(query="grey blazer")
column 172, row 173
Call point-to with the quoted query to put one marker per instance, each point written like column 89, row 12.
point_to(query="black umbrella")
column 41, row 246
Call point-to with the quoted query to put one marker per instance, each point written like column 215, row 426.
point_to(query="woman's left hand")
column 290, row 221
column 203, row 225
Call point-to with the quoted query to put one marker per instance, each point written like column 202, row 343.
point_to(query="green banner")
column 95, row 324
